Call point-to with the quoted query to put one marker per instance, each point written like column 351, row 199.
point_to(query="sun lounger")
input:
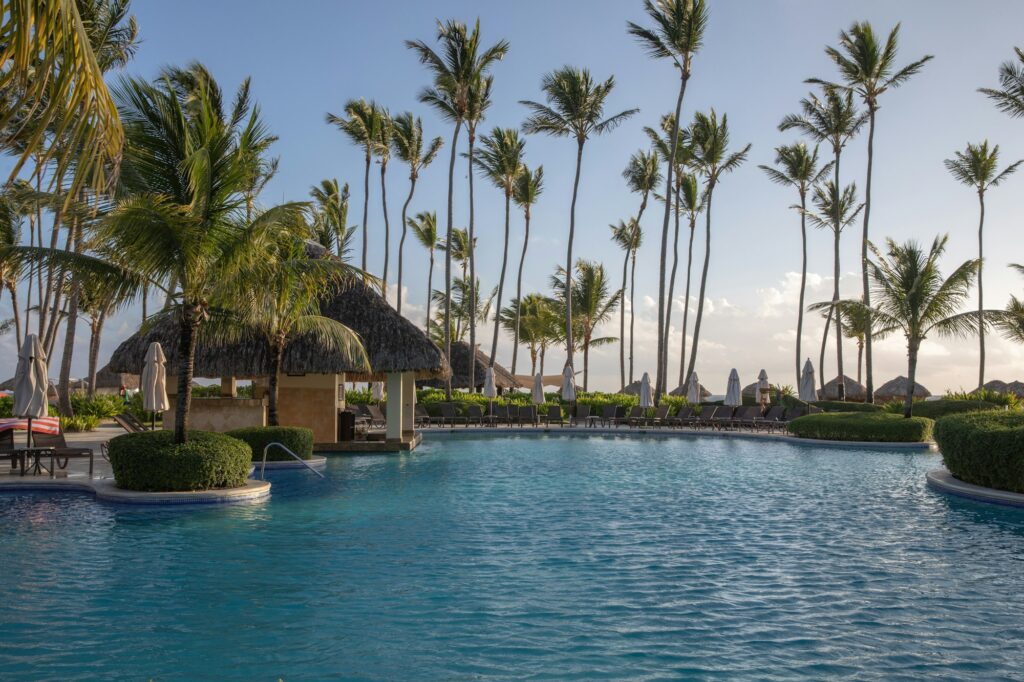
column 475, row 415
column 498, row 415
column 607, row 415
column 723, row 417
column 61, row 449
column 7, row 447
column 129, row 423
column 450, row 416
column 377, row 418
column 636, row 416
column 582, row 415
column 772, row 419
column 681, row 418
column 528, row 415
column 554, row 416
column 422, row 417
column 707, row 413
column 746, row 416
column 660, row 415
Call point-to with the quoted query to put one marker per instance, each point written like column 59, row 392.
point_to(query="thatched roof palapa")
column 392, row 343
column 854, row 390
column 897, row 389
column 503, row 379
column 680, row 391
column 107, row 378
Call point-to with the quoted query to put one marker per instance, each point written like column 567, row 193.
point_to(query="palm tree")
column 712, row 159
column 330, row 219
column 677, row 35
column 853, row 323
column 363, row 127
column 528, row 187
column 501, row 160
column 1010, row 98
column 833, row 120
column 978, row 167
column 531, row 318
column 407, row 141
column 459, row 249
column 1011, row 321
column 830, row 203
column 461, row 64
column 628, row 236
column 424, row 227
column 798, row 167
column 462, row 305
column 642, row 175
column 575, row 108
column 283, row 303
column 382, row 145
column 592, row 303
column 10, row 270
column 692, row 202
column 867, row 68
column 478, row 103
column 913, row 297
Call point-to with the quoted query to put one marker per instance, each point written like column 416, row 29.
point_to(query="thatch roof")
column 633, row 389
column 997, row 386
column 392, row 343
column 526, row 380
column 680, row 391
column 503, row 379
column 750, row 391
column 897, row 388
column 1016, row 387
column 854, row 390
column 8, row 385
column 108, row 378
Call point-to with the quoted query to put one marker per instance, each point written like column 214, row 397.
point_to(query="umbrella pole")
column 152, row 423
column 29, row 432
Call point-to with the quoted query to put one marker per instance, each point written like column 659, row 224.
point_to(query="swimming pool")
column 541, row 557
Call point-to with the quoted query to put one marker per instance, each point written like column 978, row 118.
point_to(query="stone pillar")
column 394, row 409
column 408, row 404
column 228, row 387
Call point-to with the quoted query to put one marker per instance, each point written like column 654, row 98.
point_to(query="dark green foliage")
column 7, row 408
column 878, row 427
column 99, row 406
column 150, row 461
column 298, row 440
column 933, row 409
column 984, row 448
column 80, row 422
column 841, row 406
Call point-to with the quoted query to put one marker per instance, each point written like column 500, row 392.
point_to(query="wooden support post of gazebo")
column 394, row 410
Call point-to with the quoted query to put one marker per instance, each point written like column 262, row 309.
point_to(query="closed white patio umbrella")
column 733, row 396
column 763, row 388
column 378, row 391
column 807, row 391
column 568, row 384
column 645, row 391
column 537, row 394
column 489, row 389
column 154, row 381
column 31, row 383
column 693, row 390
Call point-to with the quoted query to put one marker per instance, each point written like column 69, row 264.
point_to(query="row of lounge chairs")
column 711, row 416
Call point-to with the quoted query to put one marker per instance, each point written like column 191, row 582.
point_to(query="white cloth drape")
column 807, row 391
column 733, row 390
column 154, row 380
column 645, row 391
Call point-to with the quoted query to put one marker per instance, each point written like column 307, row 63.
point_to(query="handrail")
column 301, row 461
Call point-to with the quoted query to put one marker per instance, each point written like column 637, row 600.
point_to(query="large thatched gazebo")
column 680, row 391
column 109, row 382
column 854, row 390
column 997, row 386
column 503, row 379
column 311, row 374
column 896, row 389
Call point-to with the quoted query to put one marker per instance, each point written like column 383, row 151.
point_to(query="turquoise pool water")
column 538, row 558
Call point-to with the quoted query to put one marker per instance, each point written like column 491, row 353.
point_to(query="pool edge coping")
column 943, row 481
column 105, row 490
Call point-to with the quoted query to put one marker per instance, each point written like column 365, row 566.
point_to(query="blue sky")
column 309, row 59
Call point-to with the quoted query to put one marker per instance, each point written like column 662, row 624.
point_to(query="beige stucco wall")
column 309, row 400
column 222, row 414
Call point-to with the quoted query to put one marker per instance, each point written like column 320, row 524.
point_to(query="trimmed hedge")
column 876, row 427
column 934, row 409
column 298, row 440
column 844, row 406
column 151, row 462
column 984, row 448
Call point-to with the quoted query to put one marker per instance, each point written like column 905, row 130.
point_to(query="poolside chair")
column 499, row 415
column 422, row 417
column 513, row 414
column 723, row 417
column 450, row 416
column 582, row 415
column 553, row 416
column 635, row 418
column 771, row 420
column 474, row 415
column 7, row 447
column 377, row 418
column 681, row 418
column 528, row 415
column 128, row 422
column 61, row 451
column 707, row 413
column 746, row 416
column 608, row 413
column 659, row 417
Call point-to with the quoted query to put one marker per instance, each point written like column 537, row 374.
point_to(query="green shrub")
column 843, row 406
column 7, row 407
column 150, row 461
column 984, row 448
column 934, row 409
column 99, row 406
column 80, row 422
column 880, row 427
column 988, row 395
column 298, row 440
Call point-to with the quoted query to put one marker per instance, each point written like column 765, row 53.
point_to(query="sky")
column 308, row 59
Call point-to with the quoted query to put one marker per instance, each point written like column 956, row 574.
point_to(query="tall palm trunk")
column 703, row 282
column 839, row 319
column 448, row 260
column 12, row 289
column 519, row 290
column 53, row 329
column 586, row 362
column 569, row 348
column 277, row 353
column 145, row 297
column 870, row 382
column 64, row 381
column 366, row 206
column 981, row 293
column 430, row 290
column 908, row 401
column 501, row 279
column 622, row 318
column 387, row 226
column 472, row 264
column 821, row 355
column 803, row 282
column 671, row 289
column 94, row 349
column 401, row 241
column 841, row 388
column 860, row 359
column 186, row 364
column 661, row 374
column 686, row 303
column 543, row 350
column 632, row 306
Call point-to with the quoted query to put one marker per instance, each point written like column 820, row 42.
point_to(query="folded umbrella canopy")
column 489, row 389
column 31, row 383
column 807, row 391
column 154, row 380
column 568, row 384
column 763, row 388
column 645, row 391
column 378, row 391
column 537, row 394
column 733, row 395
column 693, row 389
